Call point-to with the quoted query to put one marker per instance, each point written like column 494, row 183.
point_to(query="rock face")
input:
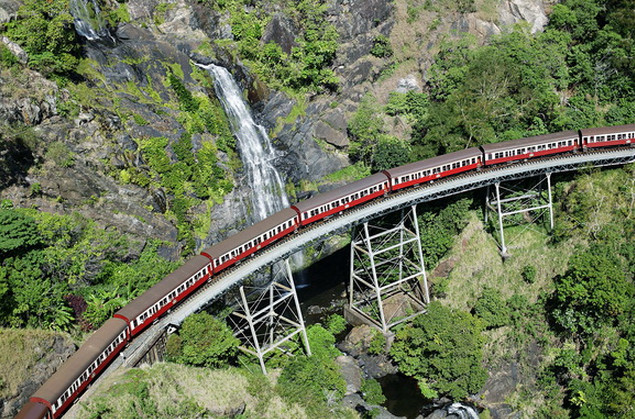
column 532, row 11
column 46, row 354
column 8, row 10
column 282, row 31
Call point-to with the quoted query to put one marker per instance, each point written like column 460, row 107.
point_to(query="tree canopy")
column 443, row 351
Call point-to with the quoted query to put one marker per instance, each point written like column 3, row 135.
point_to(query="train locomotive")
column 66, row 384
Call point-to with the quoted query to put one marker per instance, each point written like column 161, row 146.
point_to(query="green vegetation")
column 45, row 30
column 61, row 271
column 203, row 341
column 565, row 298
column 575, row 74
column 312, row 382
column 315, row 381
column 373, row 394
column 336, row 324
column 491, row 308
column 306, row 67
column 381, row 47
column 438, row 226
column 442, row 349
column 370, row 145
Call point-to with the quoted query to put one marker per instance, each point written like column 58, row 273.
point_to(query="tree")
column 364, row 128
column 18, row 232
column 443, row 350
column 206, row 341
column 45, row 30
column 594, row 291
column 390, row 152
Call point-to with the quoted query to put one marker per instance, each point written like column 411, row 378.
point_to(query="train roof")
column 163, row 288
column 608, row 130
column 434, row 162
column 529, row 141
column 332, row 195
column 32, row 410
column 250, row 233
column 74, row 366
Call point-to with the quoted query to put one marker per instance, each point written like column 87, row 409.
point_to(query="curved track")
column 344, row 221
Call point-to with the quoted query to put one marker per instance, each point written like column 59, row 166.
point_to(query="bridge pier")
column 388, row 283
column 269, row 317
column 512, row 200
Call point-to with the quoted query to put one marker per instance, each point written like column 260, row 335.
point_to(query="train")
column 54, row 397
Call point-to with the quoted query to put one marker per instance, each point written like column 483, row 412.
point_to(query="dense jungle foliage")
column 578, row 73
column 62, row 272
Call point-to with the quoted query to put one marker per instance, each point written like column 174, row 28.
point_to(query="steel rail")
column 342, row 222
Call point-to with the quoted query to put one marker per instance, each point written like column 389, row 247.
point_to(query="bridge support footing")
column 512, row 201
column 388, row 283
column 269, row 317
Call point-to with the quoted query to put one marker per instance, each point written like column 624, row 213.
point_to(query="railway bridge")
column 142, row 346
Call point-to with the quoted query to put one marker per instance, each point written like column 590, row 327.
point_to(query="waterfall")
column 267, row 193
column 89, row 23
column 266, row 188
column 462, row 411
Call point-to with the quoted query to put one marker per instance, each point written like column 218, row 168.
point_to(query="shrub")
column 491, row 307
column 206, row 341
column 443, row 350
column 45, row 30
column 381, row 47
column 529, row 274
column 372, row 391
column 336, row 324
column 377, row 343
column 7, row 59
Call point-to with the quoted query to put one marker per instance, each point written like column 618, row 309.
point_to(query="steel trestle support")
column 269, row 317
column 514, row 199
column 388, row 283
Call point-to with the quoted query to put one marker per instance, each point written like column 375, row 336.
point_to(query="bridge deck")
column 343, row 222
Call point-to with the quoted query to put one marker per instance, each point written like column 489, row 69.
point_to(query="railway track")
column 319, row 231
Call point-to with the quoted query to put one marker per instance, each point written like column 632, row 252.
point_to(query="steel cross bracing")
column 515, row 199
column 269, row 317
column 342, row 223
column 388, row 283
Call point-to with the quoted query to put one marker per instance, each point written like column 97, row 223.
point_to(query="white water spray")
column 462, row 411
column 266, row 188
column 89, row 23
column 267, row 193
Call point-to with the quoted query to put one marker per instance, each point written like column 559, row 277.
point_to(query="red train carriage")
column 434, row 168
column 341, row 198
column 525, row 148
column 608, row 136
column 34, row 410
column 141, row 311
column 253, row 238
column 59, row 391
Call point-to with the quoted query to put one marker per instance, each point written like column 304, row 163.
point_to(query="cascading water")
column 267, row 194
column 462, row 411
column 267, row 190
column 89, row 23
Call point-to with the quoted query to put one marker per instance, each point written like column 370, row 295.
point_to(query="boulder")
column 8, row 10
column 532, row 11
column 15, row 49
column 282, row 31
column 351, row 372
column 332, row 136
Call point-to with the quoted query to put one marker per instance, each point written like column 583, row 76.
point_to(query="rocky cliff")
column 128, row 73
